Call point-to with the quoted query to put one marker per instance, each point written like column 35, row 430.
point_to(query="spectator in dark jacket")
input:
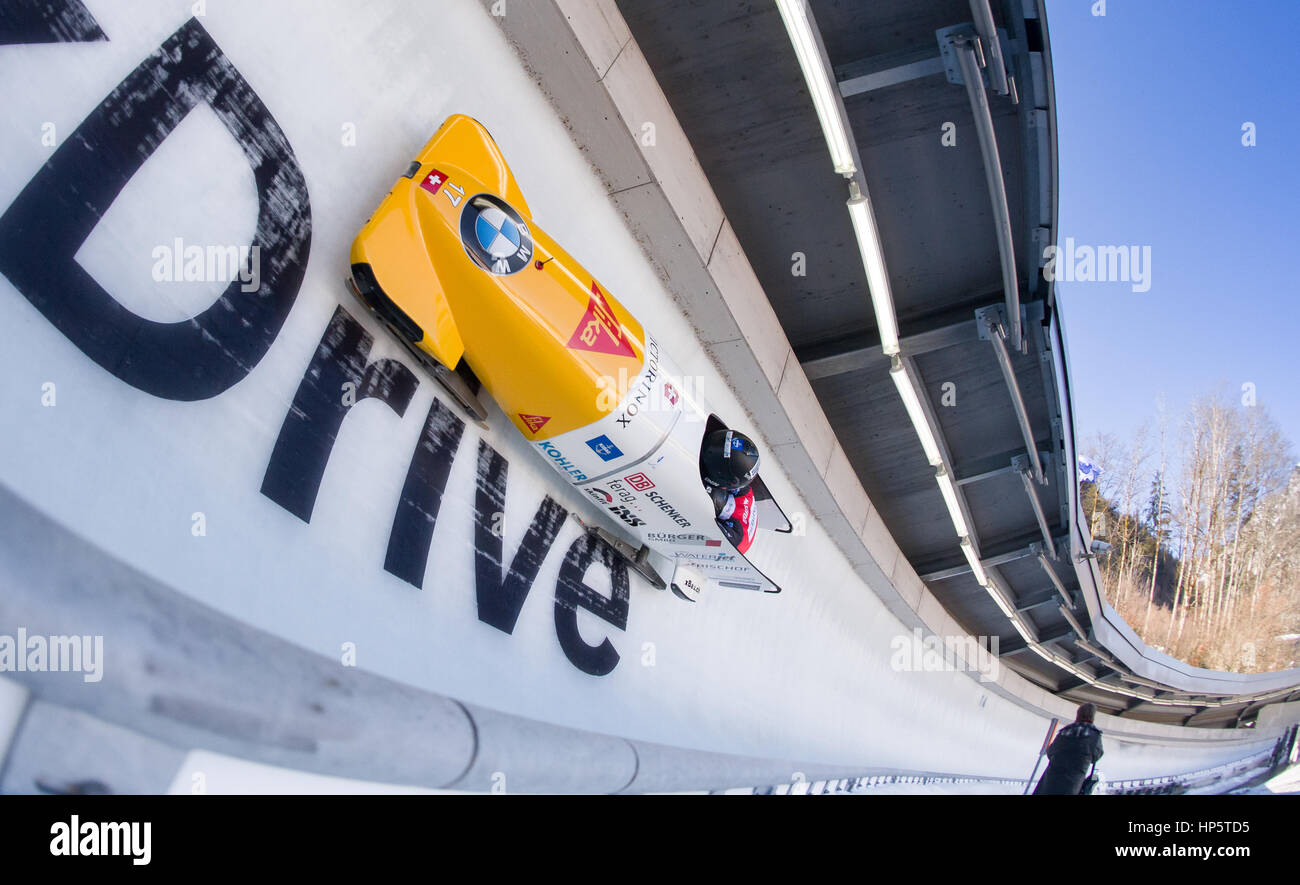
column 1075, row 750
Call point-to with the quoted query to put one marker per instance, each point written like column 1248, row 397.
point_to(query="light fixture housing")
column 822, row 89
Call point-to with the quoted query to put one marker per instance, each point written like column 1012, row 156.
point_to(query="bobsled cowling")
column 456, row 266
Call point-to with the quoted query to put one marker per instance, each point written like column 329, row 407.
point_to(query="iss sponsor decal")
column 640, row 482
column 604, row 447
column 625, row 506
column 669, row 510
column 623, row 509
column 534, row 423
column 599, row 330
column 495, row 235
column 626, row 515
column 43, row 227
column 562, row 463
column 684, row 539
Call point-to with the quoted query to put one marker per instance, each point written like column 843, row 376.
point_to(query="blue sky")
column 1150, row 102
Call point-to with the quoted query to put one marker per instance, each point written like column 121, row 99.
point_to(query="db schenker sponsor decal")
column 669, row 510
column 640, row 482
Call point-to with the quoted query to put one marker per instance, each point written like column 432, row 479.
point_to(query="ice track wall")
column 256, row 456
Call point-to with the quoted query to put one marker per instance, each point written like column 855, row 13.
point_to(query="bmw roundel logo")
column 494, row 235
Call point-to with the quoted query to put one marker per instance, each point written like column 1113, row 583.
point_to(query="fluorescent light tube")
column 949, row 492
column 975, row 565
column 912, row 402
column 798, row 24
column 873, row 260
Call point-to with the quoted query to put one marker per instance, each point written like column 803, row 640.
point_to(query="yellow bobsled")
column 452, row 262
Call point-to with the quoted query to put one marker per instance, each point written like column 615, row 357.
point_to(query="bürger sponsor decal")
column 692, row 539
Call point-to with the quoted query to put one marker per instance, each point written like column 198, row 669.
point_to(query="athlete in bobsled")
column 728, row 465
column 453, row 263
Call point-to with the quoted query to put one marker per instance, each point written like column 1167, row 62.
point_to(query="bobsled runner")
column 454, row 265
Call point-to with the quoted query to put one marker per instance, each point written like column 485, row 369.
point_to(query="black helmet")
column 729, row 460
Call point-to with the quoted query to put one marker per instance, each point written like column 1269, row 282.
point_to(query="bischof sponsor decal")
column 563, row 463
column 669, row 510
column 737, row 566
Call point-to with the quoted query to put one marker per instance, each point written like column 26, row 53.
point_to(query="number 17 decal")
column 455, row 200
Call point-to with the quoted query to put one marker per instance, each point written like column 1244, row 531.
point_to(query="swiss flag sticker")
column 433, row 181
column 600, row 331
column 534, row 422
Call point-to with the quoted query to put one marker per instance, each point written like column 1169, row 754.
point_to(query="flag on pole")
column 1088, row 472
